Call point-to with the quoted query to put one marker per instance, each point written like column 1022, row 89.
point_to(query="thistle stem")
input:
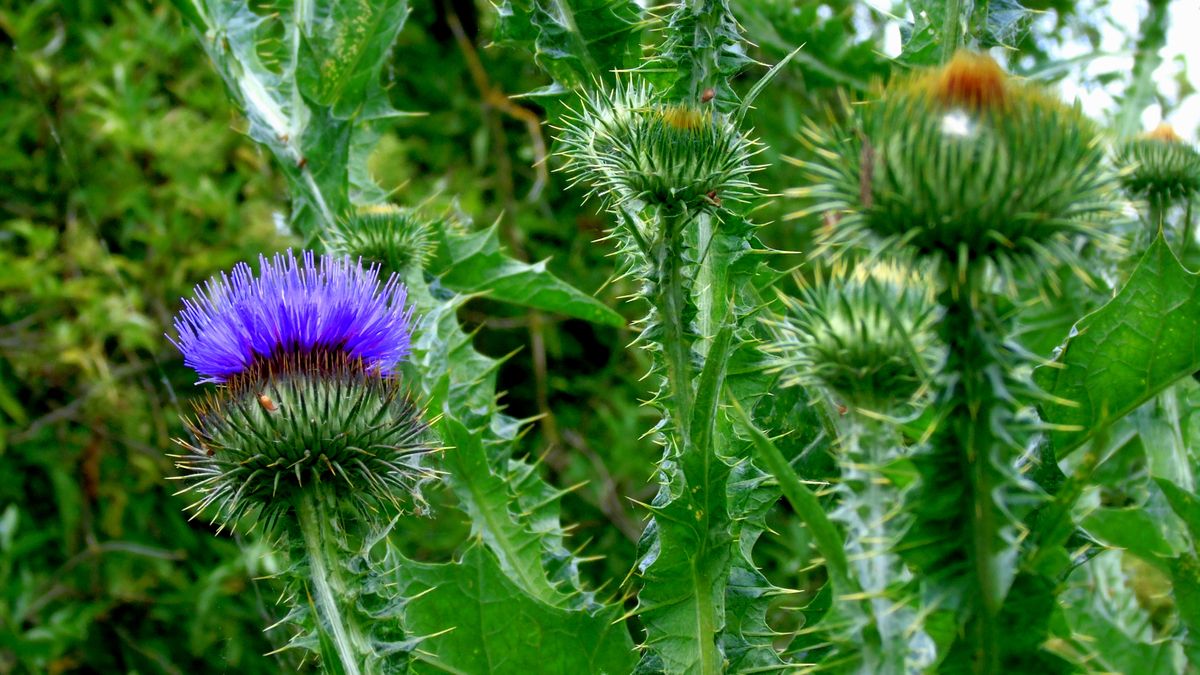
column 867, row 501
column 671, row 304
column 671, row 301
column 952, row 33
column 966, row 440
column 327, row 585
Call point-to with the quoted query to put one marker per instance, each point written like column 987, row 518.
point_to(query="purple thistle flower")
column 294, row 307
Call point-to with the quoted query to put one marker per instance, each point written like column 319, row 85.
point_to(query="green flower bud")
column 1159, row 166
column 628, row 147
column 299, row 420
column 866, row 336
column 961, row 162
column 399, row 239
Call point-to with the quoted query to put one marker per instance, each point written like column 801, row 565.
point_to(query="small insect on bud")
column 266, row 403
column 708, row 95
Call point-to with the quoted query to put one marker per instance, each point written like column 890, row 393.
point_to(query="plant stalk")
column 672, row 299
column 327, row 585
column 952, row 29
column 966, row 440
column 867, row 503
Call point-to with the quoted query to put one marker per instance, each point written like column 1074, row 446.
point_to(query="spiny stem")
column 952, row 37
column 326, row 583
column 972, row 361
column 671, row 301
column 1188, row 230
column 867, row 500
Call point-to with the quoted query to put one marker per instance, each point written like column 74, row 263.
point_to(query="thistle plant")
column 862, row 338
column 981, row 176
column 1162, row 169
column 665, row 169
column 309, row 435
column 310, row 82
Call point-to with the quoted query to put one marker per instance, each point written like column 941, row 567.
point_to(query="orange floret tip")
column 969, row 80
column 1163, row 132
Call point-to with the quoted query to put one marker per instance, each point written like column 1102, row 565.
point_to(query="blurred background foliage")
column 125, row 179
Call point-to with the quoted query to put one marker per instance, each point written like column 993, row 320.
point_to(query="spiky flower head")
column 399, row 239
column 628, row 146
column 304, row 353
column 1160, row 166
column 961, row 163
column 865, row 334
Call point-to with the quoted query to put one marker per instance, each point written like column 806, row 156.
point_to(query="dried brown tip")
column 970, row 80
column 1163, row 132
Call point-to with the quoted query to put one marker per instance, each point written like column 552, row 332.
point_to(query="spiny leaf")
column 478, row 621
column 343, row 55
column 484, row 497
column 1119, row 356
column 574, row 41
column 473, row 263
column 704, row 50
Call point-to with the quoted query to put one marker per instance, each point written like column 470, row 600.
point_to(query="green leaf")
column 1131, row 529
column 480, row 622
column 826, row 535
column 1184, row 504
column 1119, row 356
column 998, row 22
column 988, row 23
column 344, row 52
column 1185, row 581
column 474, row 263
column 574, row 41
column 484, row 497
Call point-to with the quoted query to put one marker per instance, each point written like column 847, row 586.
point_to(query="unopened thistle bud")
column 866, row 336
column 629, row 147
column 399, row 239
column 304, row 355
column 1159, row 166
column 960, row 161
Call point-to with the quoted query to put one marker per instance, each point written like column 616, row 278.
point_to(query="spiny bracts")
column 398, row 239
column 960, row 162
column 864, row 334
column 1159, row 166
column 628, row 146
